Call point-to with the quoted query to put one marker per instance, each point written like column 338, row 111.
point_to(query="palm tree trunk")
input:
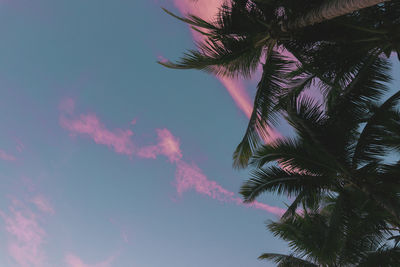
column 328, row 10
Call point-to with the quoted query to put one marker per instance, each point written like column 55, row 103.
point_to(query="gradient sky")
column 109, row 159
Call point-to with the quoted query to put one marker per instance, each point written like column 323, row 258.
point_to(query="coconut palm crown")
column 345, row 186
column 247, row 33
column 342, row 146
column 347, row 230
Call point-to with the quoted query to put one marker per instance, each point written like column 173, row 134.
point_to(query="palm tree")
column 346, row 230
column 338, row 147
column 328, row 10
column 247, row 33
column 336, row 167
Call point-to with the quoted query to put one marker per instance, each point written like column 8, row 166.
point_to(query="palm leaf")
column 277, row 180
column 286, row 260
column 373, row 138
column 268, row 90
column 388, row 257
column 230, row 56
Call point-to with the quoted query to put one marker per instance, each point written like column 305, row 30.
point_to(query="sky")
column 109, row 159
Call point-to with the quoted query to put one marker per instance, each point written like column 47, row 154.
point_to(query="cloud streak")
column 88, row 124
column 26, row 236
column 43, row 204
column 74, row 261
column 168, row 145
column 207, row 9
column 238, row 92
column 5, row 156
column 187, row 176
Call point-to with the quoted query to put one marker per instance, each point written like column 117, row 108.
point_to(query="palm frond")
column 305, row 233
column 309, row 197
column 296, row 155
column 268, row 91
column 286, row 260
column 297, row 82
column 366, row 83
column 388, row 257
column 229, row 48
column 306, row 117
column 376, row 134
column 231, row 56
column 274, row 179
column 192, row 20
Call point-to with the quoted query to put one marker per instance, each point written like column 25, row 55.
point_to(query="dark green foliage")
column 329, row 54
column 336, row 170
column 268, row 93
column 346, row 230
column 346, row 207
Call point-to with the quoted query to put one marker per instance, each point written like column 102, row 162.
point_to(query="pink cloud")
column 5, row 156
column 43, row 204
column 189, row 177
column 207, row 9
column 168, row 145
column 74, row 261
column 186, row 177
column 118, row 139
column 162, row 59
column 238, row 92
column 26, row 236
column 148, row 152
column 262, row 206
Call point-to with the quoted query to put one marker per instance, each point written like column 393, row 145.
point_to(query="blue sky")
column 109, row 159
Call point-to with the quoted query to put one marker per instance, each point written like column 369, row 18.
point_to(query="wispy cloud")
column 5, row 156
column 187, row 176
column 26, row 236
column 207, row 9
column 43, row 204
column 190, row 177
column 237, row 90
column 88, row 124
column 168, row 145
column 262, row 206
column 162, row 59
column 74, row 261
